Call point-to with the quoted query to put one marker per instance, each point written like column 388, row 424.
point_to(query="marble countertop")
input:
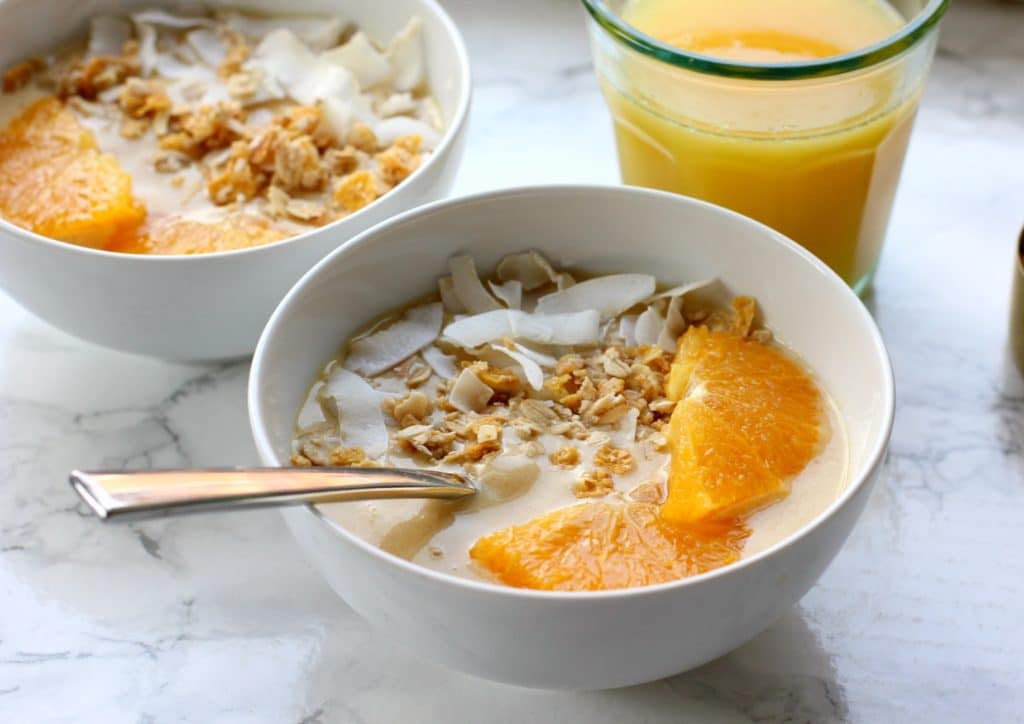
column 220, row 619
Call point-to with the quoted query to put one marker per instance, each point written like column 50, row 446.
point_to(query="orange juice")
column 817, row 158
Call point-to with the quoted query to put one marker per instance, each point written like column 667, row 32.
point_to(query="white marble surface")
column 219, row 619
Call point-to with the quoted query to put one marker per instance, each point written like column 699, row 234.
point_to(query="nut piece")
column 614, row 459
column 399, row 161
column 649, row 492
column 418, row 373
column 488, row 433
column 426, row 440
column 744, row 309
column 357, row 190
column 351, row 457
column 593, row 485
column 525, row 429
column 143, row 98
column 474, row 452
column 502, row 381
column 363, row 138
column 537, row 413
column 566, row 457
column 409, row 410
column 607, row 410
column 297, row 165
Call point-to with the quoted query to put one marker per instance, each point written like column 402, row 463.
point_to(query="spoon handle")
column 156, row 493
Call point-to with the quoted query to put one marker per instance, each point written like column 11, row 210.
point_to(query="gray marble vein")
column 220, row 619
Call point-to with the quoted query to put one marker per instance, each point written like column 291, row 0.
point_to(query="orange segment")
column 185, row 236
column 748, row 419
column 603, row 545
column 55, row 181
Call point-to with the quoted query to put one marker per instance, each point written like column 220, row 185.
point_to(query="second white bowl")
column 577, row 640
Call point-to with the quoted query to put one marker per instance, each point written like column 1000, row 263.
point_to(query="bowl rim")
column 873, row 458
column 448, row 139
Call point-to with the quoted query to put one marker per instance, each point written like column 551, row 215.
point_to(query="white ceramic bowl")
column 210, row 306
column 577, row 640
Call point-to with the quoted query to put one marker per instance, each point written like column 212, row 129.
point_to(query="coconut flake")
column 360, row 420
column 168, row 20
column 397, row 104
column 318, row 32
column 675, row 325
column 391, row 129
column 467, row 286
column 531, row 370
column 544, row 360
column 609, row 295
column 405, row 54
column 528, row 268
column 147, row 47
column 360, row 56
column 341, row 113
column 564, row 281
column 648, row 327
column 446, row 287
column 579, row 328
column 302, row 75
column 443, row 364
column 107, row 35
column 208, row 46
column 681, row 290
column 382, row 350
column 468, row 393
column 511, row 293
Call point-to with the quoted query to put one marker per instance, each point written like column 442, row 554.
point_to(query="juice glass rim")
column 906, row 37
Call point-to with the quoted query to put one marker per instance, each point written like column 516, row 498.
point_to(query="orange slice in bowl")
column 188, row 236
column 605, row 545
column 748, row 419
column 55, row 181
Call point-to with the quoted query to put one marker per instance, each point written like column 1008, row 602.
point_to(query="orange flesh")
column 55, row 181
column 185, row 236
column 604, row 545
column 748, row 420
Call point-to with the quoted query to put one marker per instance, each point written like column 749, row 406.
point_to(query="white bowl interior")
column 595, row 229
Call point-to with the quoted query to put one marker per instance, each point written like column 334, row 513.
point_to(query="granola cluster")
column 582, row 402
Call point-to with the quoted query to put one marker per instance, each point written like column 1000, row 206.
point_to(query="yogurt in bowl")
column 580, row 639
column 619, row 435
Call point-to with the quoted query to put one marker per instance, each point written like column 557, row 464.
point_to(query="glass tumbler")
column 813, row 149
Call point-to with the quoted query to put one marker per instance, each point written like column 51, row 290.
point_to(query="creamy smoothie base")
column 474, row 380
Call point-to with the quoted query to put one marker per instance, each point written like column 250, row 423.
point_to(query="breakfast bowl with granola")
column 672, row 414
column 168, row 170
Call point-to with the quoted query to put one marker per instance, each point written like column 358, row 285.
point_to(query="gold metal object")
column 155, row 493
column 1017, row 308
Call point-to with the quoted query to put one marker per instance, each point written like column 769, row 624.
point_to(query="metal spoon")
column 156, row 493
